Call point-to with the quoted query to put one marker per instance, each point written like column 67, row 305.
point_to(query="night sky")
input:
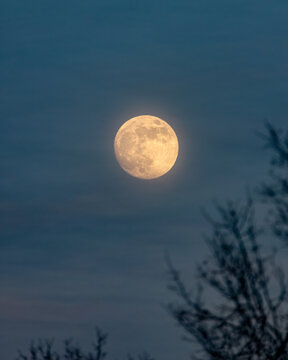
column 82, row 243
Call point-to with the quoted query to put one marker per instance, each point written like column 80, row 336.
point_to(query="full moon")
column 146, row 147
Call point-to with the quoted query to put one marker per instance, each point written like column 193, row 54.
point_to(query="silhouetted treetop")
column 244, row 317
column 245, row 313
column 44, row 350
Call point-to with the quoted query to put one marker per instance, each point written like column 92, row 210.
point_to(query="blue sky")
column 82, row 243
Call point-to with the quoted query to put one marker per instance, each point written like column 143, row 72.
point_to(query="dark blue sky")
column 82, row 242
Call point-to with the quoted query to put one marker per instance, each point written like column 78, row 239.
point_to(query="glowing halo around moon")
column 146, row 147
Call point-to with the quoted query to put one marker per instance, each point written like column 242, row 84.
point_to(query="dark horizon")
column 82, row 242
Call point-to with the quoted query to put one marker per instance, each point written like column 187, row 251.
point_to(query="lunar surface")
column 146, row 147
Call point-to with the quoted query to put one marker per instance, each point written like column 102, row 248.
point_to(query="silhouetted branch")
column 244, row 321
column 275, row 193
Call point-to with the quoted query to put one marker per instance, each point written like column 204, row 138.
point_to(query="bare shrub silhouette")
column 245, row 315
column 44, row 350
